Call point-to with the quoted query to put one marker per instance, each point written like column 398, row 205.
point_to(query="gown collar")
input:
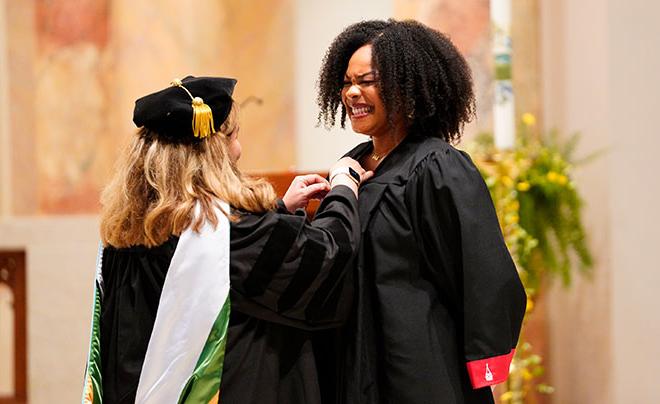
column 393, row 167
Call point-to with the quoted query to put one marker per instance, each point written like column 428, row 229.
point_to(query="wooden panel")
column 12, row 274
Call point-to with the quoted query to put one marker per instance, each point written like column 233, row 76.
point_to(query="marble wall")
column 76, row 67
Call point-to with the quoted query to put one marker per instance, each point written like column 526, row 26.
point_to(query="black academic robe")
column 437, row 292
column 287, row 279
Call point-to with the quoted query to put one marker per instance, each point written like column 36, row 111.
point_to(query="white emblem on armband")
column 489, row 375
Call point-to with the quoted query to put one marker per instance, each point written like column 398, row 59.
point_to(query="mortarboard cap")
column 187, row 111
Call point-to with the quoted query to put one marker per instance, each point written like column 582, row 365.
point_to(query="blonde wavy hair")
column 157, row 185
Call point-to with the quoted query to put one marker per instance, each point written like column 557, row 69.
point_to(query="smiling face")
column 361, row 96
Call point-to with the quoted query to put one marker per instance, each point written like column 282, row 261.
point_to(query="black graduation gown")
column 437, row 290
column 287, row 279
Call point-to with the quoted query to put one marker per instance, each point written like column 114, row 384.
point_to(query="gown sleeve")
column 468, row 261
column 288, row 270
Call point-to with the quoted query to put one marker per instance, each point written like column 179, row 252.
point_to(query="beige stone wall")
column 600, row 78
column 576, row 99
column 6, row 321
column 5, row 155
column 20, row 49
column 634, row 86
column 60, row 258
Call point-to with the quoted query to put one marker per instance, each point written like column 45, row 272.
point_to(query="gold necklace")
column 376, row 157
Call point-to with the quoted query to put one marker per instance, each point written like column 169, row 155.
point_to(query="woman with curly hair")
column 187, row 238
column 439, row 303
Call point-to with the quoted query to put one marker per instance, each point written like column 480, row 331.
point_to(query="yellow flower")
column 530, row 305
column 506, row 397
column 523, row 186
column 552, row 176
column 513, row 205
column 562, row 179
column 528, row 119
column 527, row 375
column 507, row 181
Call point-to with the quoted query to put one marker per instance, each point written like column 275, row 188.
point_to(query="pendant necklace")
column 377, row 157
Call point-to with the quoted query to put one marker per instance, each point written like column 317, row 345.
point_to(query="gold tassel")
column 202, row 124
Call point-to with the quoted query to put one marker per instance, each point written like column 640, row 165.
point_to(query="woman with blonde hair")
column 187, row 238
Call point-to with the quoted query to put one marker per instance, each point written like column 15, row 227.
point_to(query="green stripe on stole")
column 204, row 384
column 93, row 387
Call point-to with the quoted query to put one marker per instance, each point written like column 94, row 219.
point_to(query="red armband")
column 489, row 371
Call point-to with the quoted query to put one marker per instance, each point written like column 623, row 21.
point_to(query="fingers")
column 310, row 179
column 318, row 195
column 316, row 191
column 366, row 175
column 305, row 187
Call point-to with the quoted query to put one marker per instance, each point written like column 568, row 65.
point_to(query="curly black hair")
column 422, row 76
